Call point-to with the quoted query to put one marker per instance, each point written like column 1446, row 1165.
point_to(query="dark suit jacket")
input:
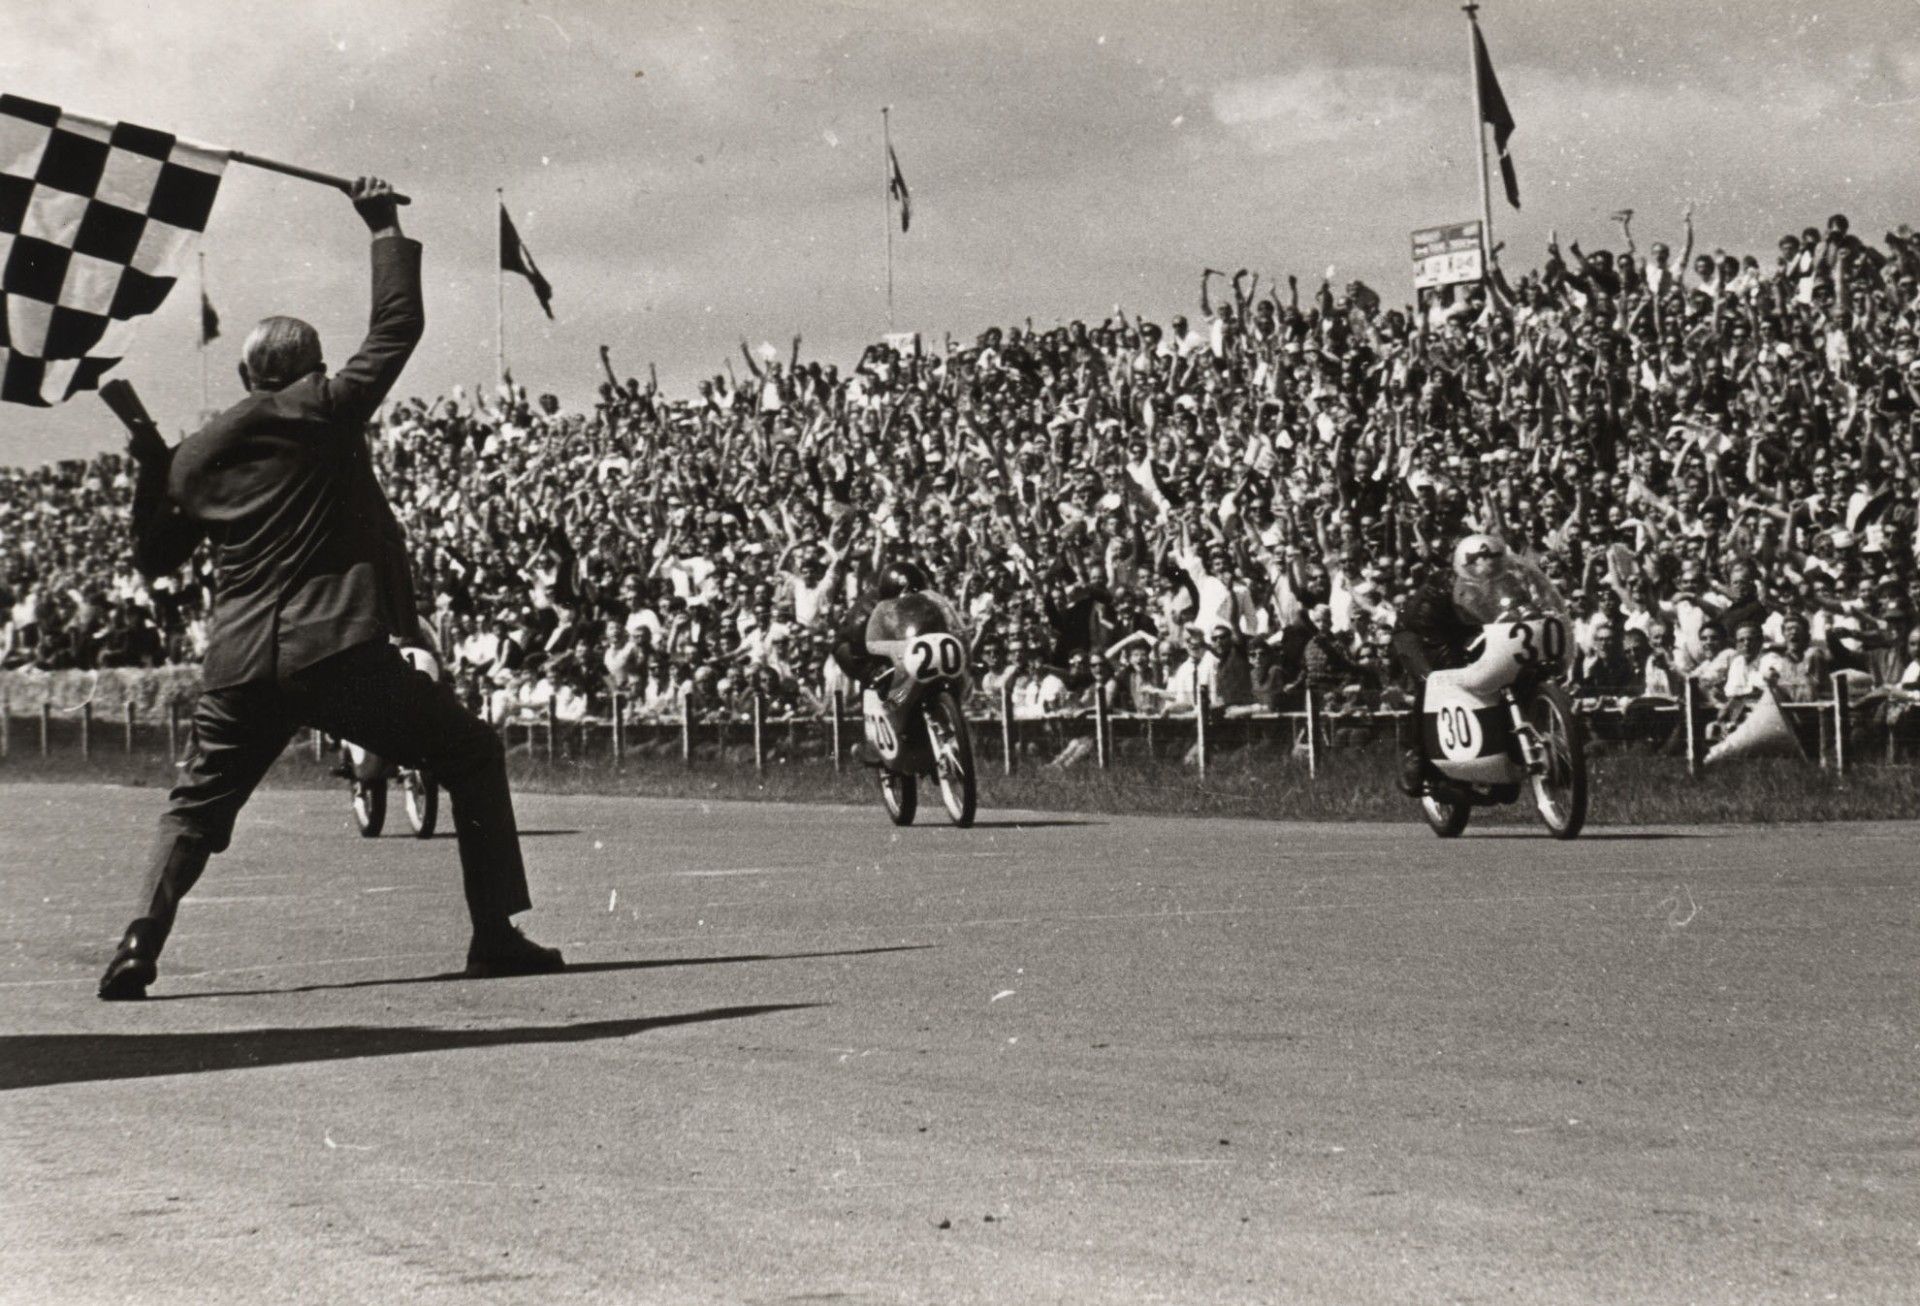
column 308, row 558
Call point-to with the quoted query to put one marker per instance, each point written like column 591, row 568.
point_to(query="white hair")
column 279, row 352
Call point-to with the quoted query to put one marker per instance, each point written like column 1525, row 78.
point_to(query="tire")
column 1447, row 819
column 901, row 795
column 423, row 802
column 1560, row 794
column 370, row 807
column 953, row 758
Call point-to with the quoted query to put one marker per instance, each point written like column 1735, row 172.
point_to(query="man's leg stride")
column 371, row 696
column 237, row 734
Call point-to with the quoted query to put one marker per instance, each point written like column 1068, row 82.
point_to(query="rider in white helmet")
column 1432, row 632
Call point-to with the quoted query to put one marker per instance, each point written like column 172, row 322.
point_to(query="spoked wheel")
column 423, row 802
column 901, row 794
column 1561, row 792
column 1448, row 819
column 953, row 758
column 370, row 807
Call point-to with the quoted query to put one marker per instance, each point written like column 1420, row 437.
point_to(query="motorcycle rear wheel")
column 370, row 807
column 1561, row 793
column 901, row 796
column 953, row 759
column 1448, row 819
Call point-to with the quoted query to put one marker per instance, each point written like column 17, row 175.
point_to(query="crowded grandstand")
column 1710, row 452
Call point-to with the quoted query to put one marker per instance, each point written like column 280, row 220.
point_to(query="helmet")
column 1479, row 557
column 902, row 578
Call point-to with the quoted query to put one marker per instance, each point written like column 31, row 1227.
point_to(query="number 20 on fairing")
column 936, row 657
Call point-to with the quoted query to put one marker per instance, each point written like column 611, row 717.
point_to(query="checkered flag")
column 94, row 219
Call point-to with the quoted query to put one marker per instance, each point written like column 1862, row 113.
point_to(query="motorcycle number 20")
column 1459, row 731
column 936, row 657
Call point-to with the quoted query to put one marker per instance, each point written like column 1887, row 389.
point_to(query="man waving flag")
column 95, row 218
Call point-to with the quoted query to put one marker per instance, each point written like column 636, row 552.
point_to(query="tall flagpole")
column 204, row 404
column 500, row 292
column 1480, row 140
column 886, row 167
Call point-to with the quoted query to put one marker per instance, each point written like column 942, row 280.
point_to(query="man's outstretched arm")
column 399, row 312
column 164, row 537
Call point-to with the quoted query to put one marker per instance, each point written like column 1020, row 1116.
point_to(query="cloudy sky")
column 688, row 174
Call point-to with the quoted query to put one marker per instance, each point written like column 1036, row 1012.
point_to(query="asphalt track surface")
column 805, row 1057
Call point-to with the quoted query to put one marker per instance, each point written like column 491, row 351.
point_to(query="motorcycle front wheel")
column 1447, row 819
column 370, row 807
column 1560, row 792
column 953, row 758
column 423, row 802
column 901, row 796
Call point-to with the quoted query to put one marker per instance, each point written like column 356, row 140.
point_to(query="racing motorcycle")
column 1505, row 721
column 370, row 775
column 912, row 716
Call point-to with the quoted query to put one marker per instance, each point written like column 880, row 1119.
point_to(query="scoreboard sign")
column 1447, row 256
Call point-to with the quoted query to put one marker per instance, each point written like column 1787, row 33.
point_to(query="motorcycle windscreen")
column 1521, row 589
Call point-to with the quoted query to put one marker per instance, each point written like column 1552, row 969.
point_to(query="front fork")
column 1533, row 754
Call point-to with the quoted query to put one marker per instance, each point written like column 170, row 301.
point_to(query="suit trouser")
column 370, row 695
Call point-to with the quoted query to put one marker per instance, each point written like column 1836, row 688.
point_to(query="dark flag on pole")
column 1494, row 112
column 514, row 257
column 209, row 321
column 897, row 187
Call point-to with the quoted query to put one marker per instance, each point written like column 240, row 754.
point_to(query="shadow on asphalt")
column 41, row 1060
column 1592, row 836
column 524, row 834
column 1030, row 825
column 573, row 968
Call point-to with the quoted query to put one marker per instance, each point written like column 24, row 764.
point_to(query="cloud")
column 1318, row 106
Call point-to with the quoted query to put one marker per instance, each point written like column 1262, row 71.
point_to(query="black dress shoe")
column 135, row 963
column 506, row 951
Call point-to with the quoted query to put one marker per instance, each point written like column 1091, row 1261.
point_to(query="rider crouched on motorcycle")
column 1432, row 634
column 850, row 651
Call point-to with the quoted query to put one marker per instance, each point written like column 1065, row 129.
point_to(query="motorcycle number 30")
column 936, row 657
column 1459, row 731
column 1550, row 643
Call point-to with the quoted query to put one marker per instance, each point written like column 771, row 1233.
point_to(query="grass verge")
column 1354, row 785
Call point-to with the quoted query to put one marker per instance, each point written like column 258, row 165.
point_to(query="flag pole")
column 500, row 293
column 886, row 169
column 1472, row 11
column 204, row 405
column 305, row 174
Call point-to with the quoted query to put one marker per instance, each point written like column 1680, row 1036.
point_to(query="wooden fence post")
column 1313, row 734
column 833, row 729
column 46, row 729
column 86, row 731
column 6, row 725
column 1006, row 724
column 686, row 731
column 1842, row 721
column 759, row 731
column 173, row 729
column 1102, row 728
column 1202, row 702
column 553, row 726
column 129, row 714
column 619, row 729
column 1690, row 722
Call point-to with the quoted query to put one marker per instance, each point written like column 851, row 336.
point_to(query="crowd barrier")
column 99, row 709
